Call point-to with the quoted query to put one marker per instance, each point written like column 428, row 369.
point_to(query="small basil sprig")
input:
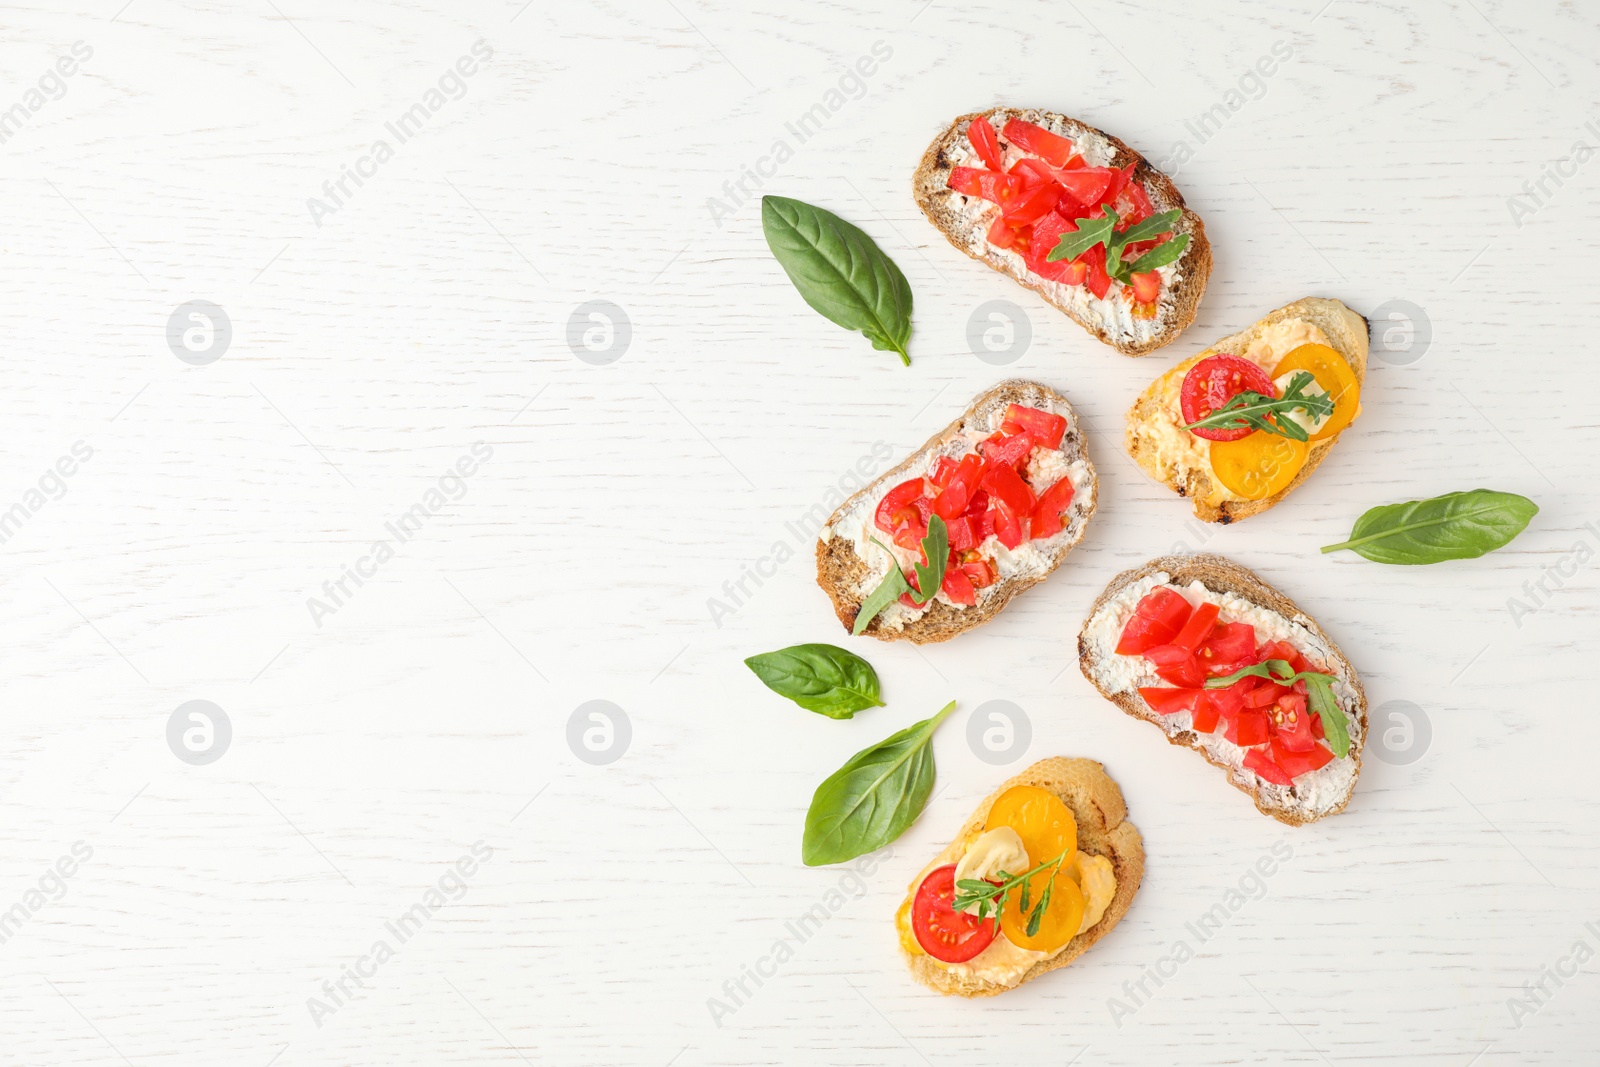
column 930, row 575
column 1319, row 687
column 825, row 679
column 1103, row 230
column 991, row 897
column 871, row 800
column 840, row 272
column 1453, row 526
column 1250, row 409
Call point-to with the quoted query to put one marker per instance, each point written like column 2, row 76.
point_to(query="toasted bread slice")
column 1313, row 795
column 1172, row 455
column 1103, row 830
column 965, row 221
column 849, row 567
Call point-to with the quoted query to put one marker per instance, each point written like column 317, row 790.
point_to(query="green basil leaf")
column 871, row 800
column 1160, row 255
column 1453, row 526
column 840, row 272
column 1089, row 233
column 825, row 679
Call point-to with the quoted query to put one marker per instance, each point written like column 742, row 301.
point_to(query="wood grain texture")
column 431, row 311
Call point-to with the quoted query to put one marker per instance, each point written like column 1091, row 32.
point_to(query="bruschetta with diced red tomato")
column 988, row 507
column 1075, row 215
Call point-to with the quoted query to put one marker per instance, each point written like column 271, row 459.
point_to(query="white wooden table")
column 593, row 152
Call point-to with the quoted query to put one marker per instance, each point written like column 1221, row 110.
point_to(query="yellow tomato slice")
column 1045, row 825
column 1257, row 466
column 1333, row 374
column 1062, row 917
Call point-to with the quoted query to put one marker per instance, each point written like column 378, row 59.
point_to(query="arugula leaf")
column 825, row 679
column 1160, row 256
column 1319, row 687
column 1251, row 409
column 1461, row 525
column 930, row 576
column 1090, row 232
column 990, row 897
column 840, row 272
column 1103, row 230
column 874, row 797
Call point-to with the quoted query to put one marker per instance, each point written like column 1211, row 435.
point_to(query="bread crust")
column 1103, row 830
column 1222, row 575
column 1348, row 334
column 1179, row 304
column 840, row 570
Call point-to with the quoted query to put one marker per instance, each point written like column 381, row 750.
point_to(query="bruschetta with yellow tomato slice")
column 1239, row 426
column 1045, row 867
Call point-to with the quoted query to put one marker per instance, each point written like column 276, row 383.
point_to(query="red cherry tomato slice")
column 1052, row 148
column 944, row 933
column 981, row 133
column 1213, row 382
column 1156, row 621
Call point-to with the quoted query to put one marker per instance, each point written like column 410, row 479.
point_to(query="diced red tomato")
column 1146, row 286
column 1098, row 281
column 1120, row 179
column 1156, row 621
column 1263, row 694
column 1046, row 429
column 1052, row 506
column 986, row 526
column 1001, row 234
column 943, row 468
column 1213, row 382
column 1230, row 644
column 963, row 532
column 1133, row 204
column 1166, row 701
column 1258, row 761
column 1052, row 148
column 977, row 506
column 958, row 587
column 1011, row 528
column 1033, row 172
column 1207, row 711
column 1006, row 451
column 1230, row 701
column 1198, row 627
column 984, row 184
column 1247, row 728
column 1004, row 483
column 1177, row 665
column 1087, row 185
column 1031, row 205
column 900, row 508
column 1291, row 723
column 1295, row 764
column 979, row 573
column 1046, row 235
column 1285, row 651
column 1317, row 729
column 952, row 499
column 981, row 133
